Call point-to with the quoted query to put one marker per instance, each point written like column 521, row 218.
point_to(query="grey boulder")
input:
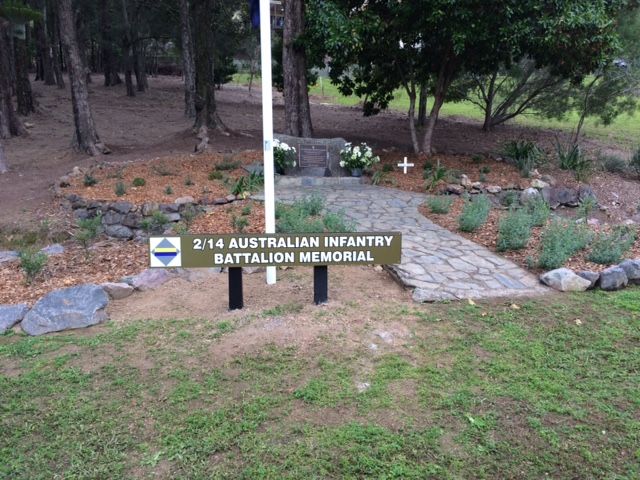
column 421, row 295
column 55, row 249
column 565, row 280
column 7, row 256
column 117, row 291
column 613, row 278
column 528, row 195
column 632, row 270
column 593, row 277
column 119, row 231
column 149, row 279
column 10, row 315
column 75, row 307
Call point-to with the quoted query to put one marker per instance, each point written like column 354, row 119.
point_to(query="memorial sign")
column 313, row 156
column 271, row 250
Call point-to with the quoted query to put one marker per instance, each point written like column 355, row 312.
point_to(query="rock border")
column 616, row 277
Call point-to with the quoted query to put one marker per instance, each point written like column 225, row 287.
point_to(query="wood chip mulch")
column 487, row 235
column 187, row 175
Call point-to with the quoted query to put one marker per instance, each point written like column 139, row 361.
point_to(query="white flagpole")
column 267, row 125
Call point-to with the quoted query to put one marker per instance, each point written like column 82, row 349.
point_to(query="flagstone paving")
column 436, row 263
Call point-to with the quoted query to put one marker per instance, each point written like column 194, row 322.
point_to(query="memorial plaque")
column 313, row 156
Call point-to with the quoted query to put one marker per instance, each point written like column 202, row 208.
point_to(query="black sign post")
column 320, row 284
column 236, row 299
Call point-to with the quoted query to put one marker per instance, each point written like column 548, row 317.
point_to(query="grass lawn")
column 625, row 130
column 547, row 390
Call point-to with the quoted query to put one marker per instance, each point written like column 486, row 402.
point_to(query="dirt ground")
column 152, row 125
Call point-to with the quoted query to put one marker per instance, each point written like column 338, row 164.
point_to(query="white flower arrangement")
column 284, row 156
column 358, row 156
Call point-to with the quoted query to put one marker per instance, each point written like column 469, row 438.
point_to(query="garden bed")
column 487, row 235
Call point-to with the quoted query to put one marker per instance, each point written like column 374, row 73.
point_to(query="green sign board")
column 261, row 250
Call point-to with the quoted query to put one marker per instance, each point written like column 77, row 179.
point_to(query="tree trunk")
column 127, row 51
column 138, row 67
column 44, row 49
column 445, row 76
column 4, row 168
column 206, row 111
column 188, row 66
column 411, row 91
column 9, row 123
column 55, row 48
column 85, row 137
column 26, row 104
column 109, row 62
column 422, row 105
column 297, row 113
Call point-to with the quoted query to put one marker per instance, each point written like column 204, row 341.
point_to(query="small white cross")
column 406, row 165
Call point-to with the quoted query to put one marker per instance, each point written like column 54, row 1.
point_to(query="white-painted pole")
column 267, row 126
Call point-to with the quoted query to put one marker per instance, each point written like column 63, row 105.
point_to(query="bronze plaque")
column 261, row 250
column 313, row 156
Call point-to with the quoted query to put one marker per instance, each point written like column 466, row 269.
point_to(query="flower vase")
column 356, row 172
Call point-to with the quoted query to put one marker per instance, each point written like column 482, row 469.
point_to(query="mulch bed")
column 487, row 235
column 187, row 175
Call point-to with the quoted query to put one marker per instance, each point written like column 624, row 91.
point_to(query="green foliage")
column 120, row 189
column 305, row 216
column 434, row 177
column 239, row 223
column 189, row 214
column 560, row 240
column 32, row 263
column 486, row 169
column 215, row 175
column 188, row 182
column 514, row 230
column 387, row 168
column 570, row 157
column 586, row 207
column 474, row 214
column 246, row 210
column 168, row 190
column 155, row 223
column 634, row 162
column 226, row 164
column 88, row 229
column 439, row 204
column 539, row 211
column 247, row 184
column 511, row 198
column 477, row 158
column 609, row 248
column 89, row 180
column 612, row 163
column 139, row 182
column 162, row 170
column 524, row 154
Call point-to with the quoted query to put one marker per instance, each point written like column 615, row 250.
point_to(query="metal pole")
column 267, row 125
column 320, row 284
column 236, row 301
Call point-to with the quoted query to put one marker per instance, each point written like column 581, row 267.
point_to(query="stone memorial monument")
column 316, row 157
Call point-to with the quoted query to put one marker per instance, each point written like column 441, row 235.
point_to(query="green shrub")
column 612, row 163
column 524, row 154
column 511, row 198
column 227, row 164
column 387, row 167
column 486, row 170
column 474, row 214
column 312, row 205
column 434, row 176
column 120, row 189
column 514, row 230
column 440, row 204
column 168, row 190
column 139, row 182
column 570, row 157
column 89, row 180
column 379, row 177
column 609, row 248
column 32, row 262
column 189, row 214
column 634, row 162
column 246, row 210
column 188, row 182
column 215, row 175
column 586, row 207
column 239, row 223
column 248, row 184
column 336, row 222
column 560, row 240
column 539, row 211
column 155, row 223
column 305, row 216
column 88, row 229
column 477, row 158
column 162, row 170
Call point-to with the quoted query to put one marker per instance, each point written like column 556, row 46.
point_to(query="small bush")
column 387, row 167
column 189, row 214
column 335, row 222
column 511, row 198
column 227, row 164
column 188, row 182
column 538, row 211
column 32, row 262
column 474, row 214
column 634, row 162
column 514, row 231
column 312, row 205
column 440, row 204
column 215, row 175
column 435, row 176
column 524, row 154
column 305, row 216
column 155, row 223
column 239, row 223
column 162, row 170
column 248, row 184
column 609, row 248
column 586, row 207
column 139, row 182
column 379, row 177
column 560, row 240
column 477, row 158
column 88, row 229
column 168, row 190
column 570, row 157
column 120, row 189
column 246, row 211
column 612, row 163
column 89, row 180
column 486, row 170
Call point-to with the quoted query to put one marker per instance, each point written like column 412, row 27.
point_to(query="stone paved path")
column 436, row 263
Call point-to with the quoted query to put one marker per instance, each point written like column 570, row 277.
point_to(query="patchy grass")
column 474, row 391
